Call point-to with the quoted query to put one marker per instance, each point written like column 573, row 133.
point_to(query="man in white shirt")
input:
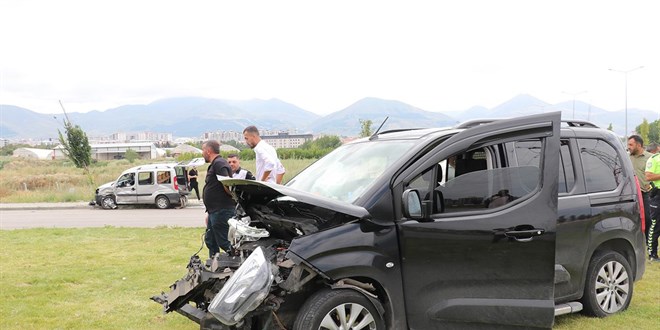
column 269, row 167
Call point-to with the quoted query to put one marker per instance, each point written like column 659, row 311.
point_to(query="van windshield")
column 348, row 171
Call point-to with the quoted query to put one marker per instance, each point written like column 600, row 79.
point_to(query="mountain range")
column 192, row 116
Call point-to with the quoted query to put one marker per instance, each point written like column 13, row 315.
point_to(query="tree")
column 610, row 128
column 365, row 130
column 654, row 132
column 131, row 155
column 76, row 145
column 325, row 142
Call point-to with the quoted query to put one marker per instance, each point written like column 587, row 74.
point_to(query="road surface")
column 95, row 217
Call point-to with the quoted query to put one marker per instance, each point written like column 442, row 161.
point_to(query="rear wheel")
column 338, row 309
column 162, row 202
column 609, row 285
column 108, row 203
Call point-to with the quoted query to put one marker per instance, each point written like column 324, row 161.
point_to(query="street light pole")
column 574, row 95
column 625, row 77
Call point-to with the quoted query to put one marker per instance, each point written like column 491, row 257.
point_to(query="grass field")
column 33, row 181
column 102, row 278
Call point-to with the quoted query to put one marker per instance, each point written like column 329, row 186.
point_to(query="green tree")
column 610, row 128
column 654, row 132
column 365, row 130
column 131, row 155
column 643, row 130
column 76, row 145
column 325, row 142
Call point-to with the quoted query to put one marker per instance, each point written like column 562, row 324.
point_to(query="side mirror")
column 412, row 204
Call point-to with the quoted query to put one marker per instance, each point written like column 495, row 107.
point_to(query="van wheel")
column 162, row 202
column 609, row 285
column 108, row 203
column 338, row 309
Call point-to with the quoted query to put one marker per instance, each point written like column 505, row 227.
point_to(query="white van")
column 164, row 185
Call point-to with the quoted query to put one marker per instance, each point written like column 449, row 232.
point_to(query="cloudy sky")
column 324, row 55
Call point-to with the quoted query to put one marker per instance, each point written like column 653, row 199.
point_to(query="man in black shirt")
column 192, row 175
column 217, row 199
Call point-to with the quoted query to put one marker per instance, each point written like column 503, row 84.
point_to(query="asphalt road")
column 94, row 217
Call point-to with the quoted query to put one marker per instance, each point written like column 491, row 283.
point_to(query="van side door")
column 146, row 186
column 483, row 253
column 125, row 192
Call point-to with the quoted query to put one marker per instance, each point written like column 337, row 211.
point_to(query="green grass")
column 102, row 278
column 34, row 181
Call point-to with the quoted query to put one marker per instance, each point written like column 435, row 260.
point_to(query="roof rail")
column 475, row 122
column 396, row 130
column 579, row 123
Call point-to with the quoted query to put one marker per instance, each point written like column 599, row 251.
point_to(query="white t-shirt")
column 266, row 160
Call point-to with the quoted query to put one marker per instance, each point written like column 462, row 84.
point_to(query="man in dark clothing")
column 217, row 199
column 192, row 175
column 237, row 171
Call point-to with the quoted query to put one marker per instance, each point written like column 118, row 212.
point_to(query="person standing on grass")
column 653, row 176
column 638, row 158
column 238, row 172
column 217, row 199
column 269, row 167
column 192, row 175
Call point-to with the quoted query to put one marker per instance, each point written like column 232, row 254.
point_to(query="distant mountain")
column 347, row 121
column 192, row 116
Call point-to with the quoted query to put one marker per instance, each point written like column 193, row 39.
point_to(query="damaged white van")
column 164, row 185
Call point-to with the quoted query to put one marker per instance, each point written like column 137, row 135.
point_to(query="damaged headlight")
column 240, row 230
column 244, row 291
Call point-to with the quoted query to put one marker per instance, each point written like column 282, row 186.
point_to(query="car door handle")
column 525, row 235
column 133, row 189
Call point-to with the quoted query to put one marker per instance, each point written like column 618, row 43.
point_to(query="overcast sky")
column 324, row 55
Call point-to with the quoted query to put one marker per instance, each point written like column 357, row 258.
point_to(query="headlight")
column 244, row 291
column 241, row 230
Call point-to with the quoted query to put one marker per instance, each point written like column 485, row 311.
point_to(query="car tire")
column 162, row 202
column 107, row 202
column 609, row 286
column 338, row 309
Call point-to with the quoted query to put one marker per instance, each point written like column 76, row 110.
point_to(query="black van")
column 500, row 223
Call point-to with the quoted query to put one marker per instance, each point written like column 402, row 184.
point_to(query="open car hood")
column 250, row 192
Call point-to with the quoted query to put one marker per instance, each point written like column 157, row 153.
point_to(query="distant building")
column 286, row 140
column 33, row 153
column 185, row 148
column 109, row 151
column 223, row 136
column 141, row 137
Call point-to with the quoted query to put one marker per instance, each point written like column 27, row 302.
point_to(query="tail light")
column 640, row 200
column 176, row 183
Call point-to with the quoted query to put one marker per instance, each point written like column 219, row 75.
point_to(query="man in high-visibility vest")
column 653, row 176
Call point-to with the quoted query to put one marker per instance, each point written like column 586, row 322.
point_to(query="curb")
column 60, row 206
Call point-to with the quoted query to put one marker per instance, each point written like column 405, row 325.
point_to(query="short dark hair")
column 637, row 139
column 233, row 156
column 652, row 147
column 213, row 144
column 252, row 130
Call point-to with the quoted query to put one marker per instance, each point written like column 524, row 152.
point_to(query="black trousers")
column 654, row 230
column 195, row 186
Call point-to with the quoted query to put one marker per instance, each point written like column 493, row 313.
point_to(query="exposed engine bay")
column 262, row 283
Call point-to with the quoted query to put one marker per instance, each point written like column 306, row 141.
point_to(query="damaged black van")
column 494, row 223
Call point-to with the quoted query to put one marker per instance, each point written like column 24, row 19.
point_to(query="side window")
column 145, row 178
column 566, row 169
column 480, row 184
column 163, row 177
column 601, row 163
column 126, row 180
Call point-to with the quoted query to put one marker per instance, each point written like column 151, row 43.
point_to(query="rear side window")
column 566, row 174
column 145, row 178
column 164, row 177
column 601, row 163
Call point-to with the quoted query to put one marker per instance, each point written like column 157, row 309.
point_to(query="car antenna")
column 373, row 136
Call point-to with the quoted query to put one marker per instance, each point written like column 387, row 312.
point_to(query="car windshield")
column 347, row 172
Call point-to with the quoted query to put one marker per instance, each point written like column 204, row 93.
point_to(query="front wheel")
column 338, row 309
column 108, row 203
column 609, row 285
column 162, row 202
